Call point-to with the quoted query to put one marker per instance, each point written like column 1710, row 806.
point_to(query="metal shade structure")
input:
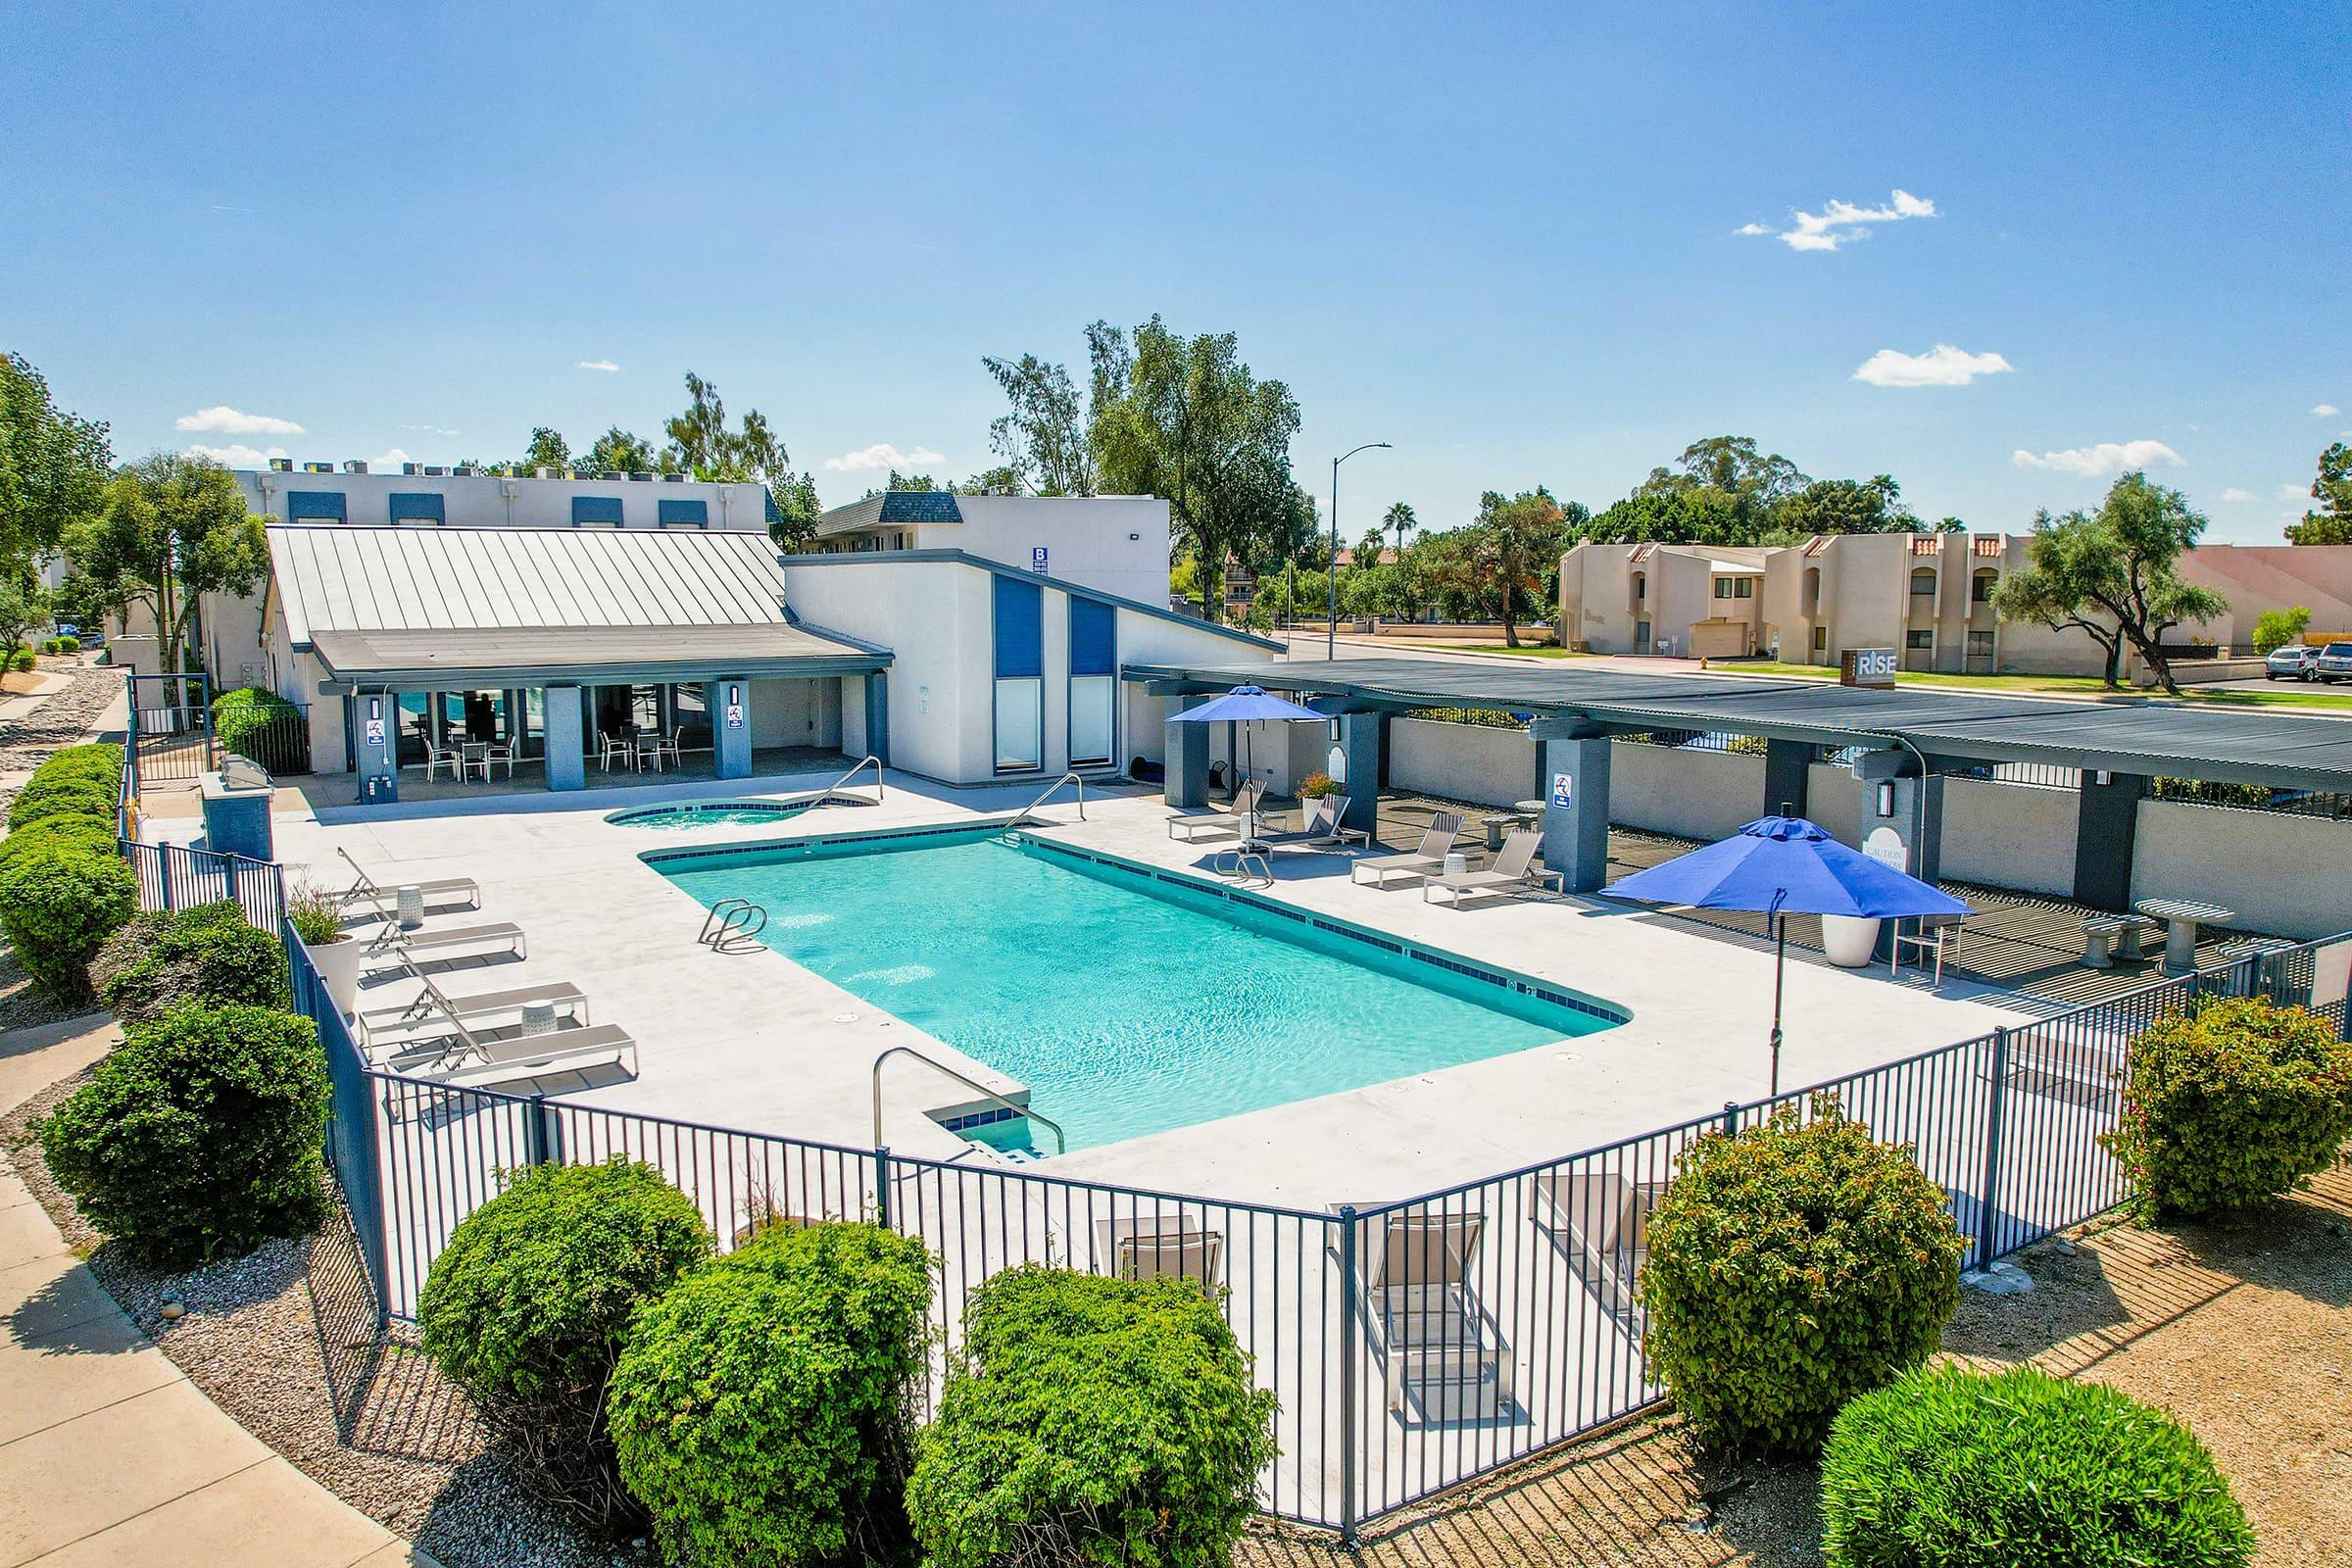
column 1783, row 865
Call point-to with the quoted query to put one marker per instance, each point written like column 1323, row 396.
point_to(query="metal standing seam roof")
column 2142, row 737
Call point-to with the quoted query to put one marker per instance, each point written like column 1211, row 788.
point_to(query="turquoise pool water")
column 1128, row 1006
column 671, row 819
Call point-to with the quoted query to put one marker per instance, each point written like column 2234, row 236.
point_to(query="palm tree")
column 1400, row 521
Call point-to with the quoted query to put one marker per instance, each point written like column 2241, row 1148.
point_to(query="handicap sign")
column 1036, row 558
column 1563, row 788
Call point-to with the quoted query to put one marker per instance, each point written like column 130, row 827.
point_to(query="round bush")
column 239, row 715
column 529, row 1305
column 21, row 661
column 2228, row 1103
column 1093, row 1420
column 199, row 1137
column 1792, row 1267
column 59, row 901
column 761, row 1408
column 94, row 834
column 69, row 794
column 209, row 952
column 1968, row 1469
column 69, row 644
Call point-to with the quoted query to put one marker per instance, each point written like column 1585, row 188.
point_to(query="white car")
column 2335, row 663
column 2294, row 662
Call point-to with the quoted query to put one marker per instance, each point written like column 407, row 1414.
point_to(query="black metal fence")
column 2252, row 796
column 1411, row 1345
column 170, row 730
column 280, row 743
column 172, row 876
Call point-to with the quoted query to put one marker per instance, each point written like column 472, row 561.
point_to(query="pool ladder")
column 734, row 925
column 1029, row 811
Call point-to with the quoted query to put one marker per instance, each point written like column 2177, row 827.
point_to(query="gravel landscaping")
column 62, row 718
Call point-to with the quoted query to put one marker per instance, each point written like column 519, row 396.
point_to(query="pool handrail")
column 1062, row 1140
column 1066, row 778
column 859, row 768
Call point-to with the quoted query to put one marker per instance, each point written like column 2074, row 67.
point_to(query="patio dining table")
column 2182, row 917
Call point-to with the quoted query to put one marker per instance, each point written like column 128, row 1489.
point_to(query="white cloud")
column 1842, row 220
column 392, row 458
column 428, row 429
column 1942, row 365
column 2293, row 492
column 2107, row 458
column 606, row 366
column 236, row 455
column 2234, row 493
column 882, row 455
column 2325, row 410
column 227, row 420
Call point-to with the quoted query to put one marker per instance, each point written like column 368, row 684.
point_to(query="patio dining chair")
column 495, row 754
column 648, row 748
column 438, row 757
column 672, row 747
column 613, row 748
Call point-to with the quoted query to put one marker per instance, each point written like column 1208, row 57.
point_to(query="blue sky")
column 1506, row 240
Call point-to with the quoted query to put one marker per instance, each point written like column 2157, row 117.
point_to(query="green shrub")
column 59, row 900
column 761, row 1408
column 2230, row 1102
column 210, row 952
column 74, row 829
column 1967, row 1469
column 21, row 661
column 1093, row 1420
column 1792, row 1267
column 529, row 1305
column 199, row 1138
column 239, row 715
column 316, row 914
column 68, row 795
column 48, row 645
column 69, row 644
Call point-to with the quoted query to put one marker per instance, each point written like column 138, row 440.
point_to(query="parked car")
column 2335, row 663
column 2294, row 662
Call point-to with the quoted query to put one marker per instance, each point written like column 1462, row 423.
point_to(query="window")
column 1821, row 639
column 1919, row 639
column 1021, row 668
column 1723, row 587
column 682, row 513
column 1094, row 681
column 1980, row 645
column 1743, row 588
column 595, row 512
column 1979, row 587
column 315, row 505
column 417, row 506
column 1923, row 581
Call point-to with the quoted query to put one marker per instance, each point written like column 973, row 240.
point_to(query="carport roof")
column 2129, row 736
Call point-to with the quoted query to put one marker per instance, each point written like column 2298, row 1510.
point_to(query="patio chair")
column 1435, row 1348
column 648, row 749
column 402, row 1027
column 612, row 747
column 367, row 890
column 493, row 1063
column 1425, row 862
column 672, row 747
column 451, row 938
column 1933, row 935
column 1513, row 872
column 1151, row 1247
column 1240, row 821
column 1601, row 1220
column 494, row 754
column 438, row 757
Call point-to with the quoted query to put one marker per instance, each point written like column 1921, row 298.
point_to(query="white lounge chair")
column 1425, row 862
column 1154, row 1246
column 418, row 1021
column 488, row 1065
column 1435, row 1346
column 367, row 890
column 409, row 943
column 1513, row 872
column 1240, row 821
column 1602, row 1219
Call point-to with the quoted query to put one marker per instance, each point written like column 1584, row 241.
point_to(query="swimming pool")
column 710, row 814
column 1129, row 1000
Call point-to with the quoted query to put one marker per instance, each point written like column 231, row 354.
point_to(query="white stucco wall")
column 2287, row 876
column 1462, row 761
column 1693, row 793
column 1086, row 538
column 2009, row 835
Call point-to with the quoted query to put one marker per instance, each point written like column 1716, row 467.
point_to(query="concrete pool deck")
column 752, row 1041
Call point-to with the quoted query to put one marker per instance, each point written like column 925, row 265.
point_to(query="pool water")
column 1126, row 1005
column 671, row 819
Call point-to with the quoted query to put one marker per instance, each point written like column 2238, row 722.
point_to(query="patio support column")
column 730, row 705
column 1186, row 783
column 1361, row 755
column 1787, row 769
column 877, row 715
column 2106, row 823
column 377, row 715
column 1575, row 756
column 567, row 764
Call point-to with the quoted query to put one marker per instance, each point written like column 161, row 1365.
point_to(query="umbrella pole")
column 1779, row 966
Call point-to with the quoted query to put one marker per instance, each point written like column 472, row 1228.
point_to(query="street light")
column 1331, row 632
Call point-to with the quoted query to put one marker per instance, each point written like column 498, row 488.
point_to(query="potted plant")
column 1322, row 801
column 317, row 921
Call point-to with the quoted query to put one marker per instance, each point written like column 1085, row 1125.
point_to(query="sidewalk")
column 108, row 1453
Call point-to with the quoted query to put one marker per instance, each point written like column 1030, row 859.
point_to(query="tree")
column 1369, row 547
column 1400, row 520
column 2111, row 574
column 174, row 529
column 793, row 510
column 1497, row 564
column 1184, row 419
column 617, row 451
column 2273, row 629
column 1042, row 438
column 1734, row 466
column 23, row 607
column 2331, row 521
column 53, row 468
column 1847, row 505
column 1002, row 479
column 548, row 450
column 700, row 444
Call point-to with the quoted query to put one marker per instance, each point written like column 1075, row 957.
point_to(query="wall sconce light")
column 1886, row 797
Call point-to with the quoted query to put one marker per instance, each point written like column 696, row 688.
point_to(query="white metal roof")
column 342, row 578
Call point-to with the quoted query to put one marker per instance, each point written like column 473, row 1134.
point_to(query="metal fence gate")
column 170, row 730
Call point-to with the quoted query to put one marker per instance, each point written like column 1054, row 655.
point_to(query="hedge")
column 210, row 952
column 761, row 1408
column 82, row 779
column 60, row 899
column 529, row 1305
column 237, row 714
column 2230, row 1102
column 1967, row 1469
column 1790, row 1267
column 200, row 1135
column 1092, row 1420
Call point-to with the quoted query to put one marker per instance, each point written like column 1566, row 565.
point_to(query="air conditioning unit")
column 317, row 468
column 412, row 468
column 354, row 466
column 281, row 465
column 675, row 479
column 462, row 469
column 432, row 473
column 546, row 473
column 641, row 479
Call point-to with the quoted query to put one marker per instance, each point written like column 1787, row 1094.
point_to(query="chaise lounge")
column 1425, row 861
column 419, row 1019
column 1513, row 872
column 1240, row 821
column 1601, row 1220
column 1435, row 1348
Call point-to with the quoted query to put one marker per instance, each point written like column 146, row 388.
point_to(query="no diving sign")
column 1563, row 789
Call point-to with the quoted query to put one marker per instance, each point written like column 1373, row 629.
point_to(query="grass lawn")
column 2283, row 695
column 1548, row 651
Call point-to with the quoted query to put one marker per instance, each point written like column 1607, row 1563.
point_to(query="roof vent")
column 675, row 479
column 317, row 468
column 432, row 473
column 412, row 467
column 641, row 479
column 544, row 473
column 281, row 465
column 462, row 469
column 354, row 466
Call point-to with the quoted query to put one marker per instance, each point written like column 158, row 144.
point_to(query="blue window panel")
column 1020, row 629
column 315, row 505
column 697, row 513
column 411, row 508
column 596, row 508
column 1094, row 645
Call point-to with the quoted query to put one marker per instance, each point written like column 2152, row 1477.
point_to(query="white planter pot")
column 338, row 965
column 1322, row 813
column 1846, row 940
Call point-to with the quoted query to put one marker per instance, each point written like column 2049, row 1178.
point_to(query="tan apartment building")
column 1927, row 593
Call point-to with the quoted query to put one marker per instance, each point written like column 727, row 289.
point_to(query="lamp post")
column 1331, row 631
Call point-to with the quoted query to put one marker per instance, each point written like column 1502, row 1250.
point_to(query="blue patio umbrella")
column 1243, row 705
column 1783, row 865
